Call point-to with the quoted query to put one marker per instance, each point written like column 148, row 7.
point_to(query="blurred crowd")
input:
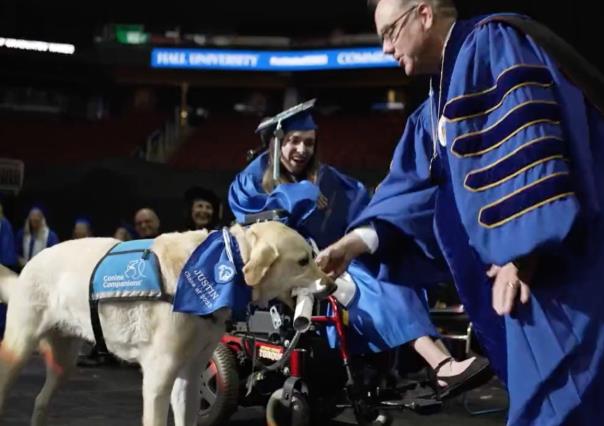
column 19, row 244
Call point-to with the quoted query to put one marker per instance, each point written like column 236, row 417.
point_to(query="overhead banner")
column 37, row 45
column 248, row 60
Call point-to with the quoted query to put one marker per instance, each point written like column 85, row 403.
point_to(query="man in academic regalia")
column 517, row 130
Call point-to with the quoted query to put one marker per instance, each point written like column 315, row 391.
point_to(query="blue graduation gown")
column 8, row 254
column 52, row 240
column 383, row 314
column 518, row 176
column 402, row 212
column 345, row 196
column 8, row 257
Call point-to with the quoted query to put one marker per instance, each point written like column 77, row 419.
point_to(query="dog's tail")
column 8, row 281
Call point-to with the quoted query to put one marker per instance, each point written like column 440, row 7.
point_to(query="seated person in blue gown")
column 34, row 237
column 389, row 308
column 517, row 130
column 8, row 256
column 8, row 253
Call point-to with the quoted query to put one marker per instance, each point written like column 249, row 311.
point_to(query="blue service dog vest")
column 129, row 270
column 211, row 279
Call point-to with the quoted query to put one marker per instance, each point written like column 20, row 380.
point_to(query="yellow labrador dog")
column 49, row 307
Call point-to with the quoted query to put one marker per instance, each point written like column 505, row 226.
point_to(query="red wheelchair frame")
column 289, row 404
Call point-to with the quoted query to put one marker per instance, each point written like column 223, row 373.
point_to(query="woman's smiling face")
column 297, row 150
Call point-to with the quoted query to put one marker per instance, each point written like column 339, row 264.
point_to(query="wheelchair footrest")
column 420, row 405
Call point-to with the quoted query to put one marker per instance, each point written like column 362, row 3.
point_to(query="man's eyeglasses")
column 388, row 34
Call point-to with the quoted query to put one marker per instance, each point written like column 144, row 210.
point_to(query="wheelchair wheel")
column 219, row 388
column 296, row 413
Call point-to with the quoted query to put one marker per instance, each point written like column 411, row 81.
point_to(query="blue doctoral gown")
column 518, row 175
column 402, row 211
column 383, row 314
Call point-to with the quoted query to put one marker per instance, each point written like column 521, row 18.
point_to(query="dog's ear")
column 262, row 256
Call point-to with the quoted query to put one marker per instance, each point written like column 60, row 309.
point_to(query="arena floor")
column 104, row 396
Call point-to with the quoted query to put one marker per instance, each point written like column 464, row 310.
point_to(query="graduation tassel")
column 277, row 152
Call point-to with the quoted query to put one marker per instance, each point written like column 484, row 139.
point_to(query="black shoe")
column 475, row 375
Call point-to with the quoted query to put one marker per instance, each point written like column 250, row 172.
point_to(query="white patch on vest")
column 224, row 273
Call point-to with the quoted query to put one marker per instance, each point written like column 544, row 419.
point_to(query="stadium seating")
column 350, row 141
column 57, row 140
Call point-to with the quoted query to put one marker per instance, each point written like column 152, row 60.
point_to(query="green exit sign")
column 131, row 34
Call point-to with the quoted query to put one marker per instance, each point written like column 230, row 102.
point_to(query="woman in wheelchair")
column 387, row 307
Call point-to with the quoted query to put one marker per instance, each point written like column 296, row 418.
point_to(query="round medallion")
column 442, row 132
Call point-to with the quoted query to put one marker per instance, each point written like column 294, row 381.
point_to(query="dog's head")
column 277, row 260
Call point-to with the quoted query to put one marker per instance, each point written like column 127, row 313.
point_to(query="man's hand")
column 507, row 284
column 322, row 202
column 334, row 259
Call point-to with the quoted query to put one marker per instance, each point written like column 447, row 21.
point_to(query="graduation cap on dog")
column 297, row 117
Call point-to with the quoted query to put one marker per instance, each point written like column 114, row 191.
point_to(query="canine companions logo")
column 224, row 272
column 134, row 269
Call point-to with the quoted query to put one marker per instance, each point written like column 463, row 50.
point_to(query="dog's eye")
column 304, row 262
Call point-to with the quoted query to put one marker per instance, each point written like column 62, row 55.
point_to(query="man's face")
column 81, row 230
column 297, row 150
column 202, row 212
column 146, row 224
column 122, row 234
column 403, row 30
column 36, row 219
